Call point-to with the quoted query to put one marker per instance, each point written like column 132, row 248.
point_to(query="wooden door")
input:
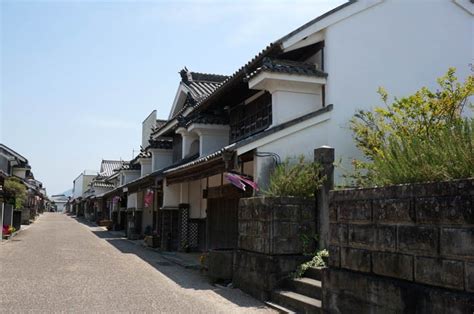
column 222, row 223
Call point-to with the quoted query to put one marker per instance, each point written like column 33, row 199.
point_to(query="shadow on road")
column 186, row 278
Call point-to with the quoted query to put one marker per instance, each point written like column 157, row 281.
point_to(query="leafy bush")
column 448, row 153
column 17, row 190
column 417, row 138
column 300, row 179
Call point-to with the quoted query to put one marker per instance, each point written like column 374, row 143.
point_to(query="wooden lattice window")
column 248, row 119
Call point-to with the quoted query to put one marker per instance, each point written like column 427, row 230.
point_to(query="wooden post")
column 325, row 156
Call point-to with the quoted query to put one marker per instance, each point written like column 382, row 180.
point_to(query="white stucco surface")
column 400, row 45
column 171, row 195
column 161, row 158
column 132, row 200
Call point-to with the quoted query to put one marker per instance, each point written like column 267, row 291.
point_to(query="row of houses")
column 16, row 168
column 225, row 133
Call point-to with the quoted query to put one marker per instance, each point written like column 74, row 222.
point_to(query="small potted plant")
column 8, row 230
column 186, row 247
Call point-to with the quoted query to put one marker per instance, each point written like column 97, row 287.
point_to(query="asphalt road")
column 62, row 265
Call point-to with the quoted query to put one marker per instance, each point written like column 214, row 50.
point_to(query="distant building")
column 14, row 165
column 80, row 185
column 58, row 201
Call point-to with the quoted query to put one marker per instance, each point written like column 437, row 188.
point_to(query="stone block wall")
column 258, row 274
column 275, row 225
column 25, row 216
column 270, row 245
column 417, row 238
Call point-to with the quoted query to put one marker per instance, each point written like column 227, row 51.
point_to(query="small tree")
column 17, row 190
column 421, row 120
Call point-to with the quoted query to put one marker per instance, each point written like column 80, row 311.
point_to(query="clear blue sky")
column 79, row 77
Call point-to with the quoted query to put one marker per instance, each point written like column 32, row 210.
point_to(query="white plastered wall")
column 400, row 45
column 191, row 193
column 161, row 158
column 171, row 195
column 288, row 105
column 146, row 166
column 131, row 175
column 132, row 200
column 301, row 142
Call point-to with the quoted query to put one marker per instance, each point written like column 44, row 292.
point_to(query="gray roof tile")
column 107, row 167
column 288, row 67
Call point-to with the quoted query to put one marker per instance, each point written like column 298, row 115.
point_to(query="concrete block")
column 355, row 259
column 354, row 211
column 447, row 210
column 457, row 241
column 386, row 237
column 332, row 212
column 362, row 235
column 469, row 271
column 393, row 210
column 338, row 233
column 418, row 239
column 439, row 272
column 334, row 256
column 393, row 265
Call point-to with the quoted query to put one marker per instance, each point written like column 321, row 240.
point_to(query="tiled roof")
column 161, row 143
column 159, row 123
column 200, row 90
column 102, row 184
column 107, row 167
column 144, row 154
column 201, row 159
column 271, row 50
column 241, row 72
column 289, row 67
column 208, row 119
column 245, row 141
column 130, row 165
column 156, row 173
column 282, row 126
column 200, row 84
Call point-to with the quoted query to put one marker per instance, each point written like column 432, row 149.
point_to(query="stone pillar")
column 325, row 156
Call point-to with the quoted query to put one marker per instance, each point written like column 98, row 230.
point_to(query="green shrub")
column 300, row 178
column 417, row 138
column 16, row 190
column 448, row 153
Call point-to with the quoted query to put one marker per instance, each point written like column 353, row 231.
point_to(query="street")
column 62, row 265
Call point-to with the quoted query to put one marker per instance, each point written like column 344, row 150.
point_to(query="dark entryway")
column 170, row 229
column 222, row 223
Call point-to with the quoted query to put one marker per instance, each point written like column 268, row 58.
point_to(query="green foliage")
column 17, row 190
column 447, row 153
column 316, row 262
column 408, row 140
column 308, row 242
column 300, row 178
